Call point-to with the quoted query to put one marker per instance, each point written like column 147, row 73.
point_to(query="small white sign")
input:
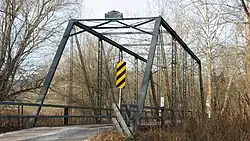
column 162, row 105
column 162, row 101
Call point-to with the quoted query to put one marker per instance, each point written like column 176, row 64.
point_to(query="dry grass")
column 217, row 129
column 108, row 136
column 159, row 134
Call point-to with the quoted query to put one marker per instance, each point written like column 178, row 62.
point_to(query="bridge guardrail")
column 17, row 118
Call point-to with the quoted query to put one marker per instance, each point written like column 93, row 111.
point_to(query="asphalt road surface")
column 65, row 133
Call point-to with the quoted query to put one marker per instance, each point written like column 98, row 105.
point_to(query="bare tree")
column 26, row 27
column 209, row 27
column 246, row 9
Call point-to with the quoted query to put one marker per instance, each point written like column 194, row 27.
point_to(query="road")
column 66, row 133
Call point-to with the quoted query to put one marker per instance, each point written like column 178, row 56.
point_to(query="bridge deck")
column 66, row 133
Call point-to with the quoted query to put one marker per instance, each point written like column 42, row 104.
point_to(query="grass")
column 216, row 129
column 108, row 136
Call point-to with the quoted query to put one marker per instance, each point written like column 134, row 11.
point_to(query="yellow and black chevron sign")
column 120, row 74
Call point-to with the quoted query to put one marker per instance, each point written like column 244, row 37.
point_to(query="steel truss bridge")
column 159, row 64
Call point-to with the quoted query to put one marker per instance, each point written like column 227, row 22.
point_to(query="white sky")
column 129, row 8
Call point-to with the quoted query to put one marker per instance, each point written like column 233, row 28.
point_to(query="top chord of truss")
column 137, row 18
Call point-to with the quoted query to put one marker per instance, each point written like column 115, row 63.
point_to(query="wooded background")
column 218, row 31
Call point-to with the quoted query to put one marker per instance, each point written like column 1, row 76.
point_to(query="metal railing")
column 82, row 114
column 18, row 117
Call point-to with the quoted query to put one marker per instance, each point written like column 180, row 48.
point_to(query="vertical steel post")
column 52, row 70
column 100, row 82
column 154, row 98
column 70, row 94
column 192, row 83
column 203, row 106
column 174, row 87
column 165, row 75
column 106, row 65
column 179, row 80
column 184, row 83
column 22, row 116
column 66, row 118
column 87, row 79
column 70, row 71
column 147, row 73
column 18, row 113
column 158, row 73
column 165, row 71
column 136, row 82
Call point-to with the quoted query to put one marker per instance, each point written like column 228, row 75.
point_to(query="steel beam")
column 154, row 95
column 134, row 27
column 174, row 73
column 121, row 120
column 158, row 74
column 179, row 40
column 147, row 73
column 88, row 29
column 192, row 82
column 140, row 18
column 165, row 70
column 136, row 81
column 125, row 33
column 185, row 47
column 71, row 61
column 142, row 23
column 125, row 25
column 50, row 74
column 100, row 77
column 203, row 106
column 102, row 24
column 142, row 45
column 77, row 33
column 184, row 83
column 109, row 27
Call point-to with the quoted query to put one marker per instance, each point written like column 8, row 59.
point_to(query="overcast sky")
column 129, row 8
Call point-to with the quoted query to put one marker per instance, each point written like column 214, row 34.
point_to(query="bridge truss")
column 166, row 61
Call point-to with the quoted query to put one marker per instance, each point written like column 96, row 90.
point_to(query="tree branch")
column 245, row 8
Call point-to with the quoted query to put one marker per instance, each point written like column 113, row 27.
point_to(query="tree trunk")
column 247, row 30
column 209, row 62
column 226, row 95
column 209, row 95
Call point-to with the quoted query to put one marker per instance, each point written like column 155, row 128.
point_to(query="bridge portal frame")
column 159, row 22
